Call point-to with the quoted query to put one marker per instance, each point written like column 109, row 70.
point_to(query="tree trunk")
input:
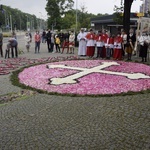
column 126, row 16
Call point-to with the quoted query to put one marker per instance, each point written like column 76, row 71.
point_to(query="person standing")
column 99, row 44
column 7, row 52
column 82, row 43
column 131, row 37
column 57, row 42
column 37, row 39
column 118, row 47
column 48, row 40
column 90, row 43
column 52, row 42
column 61, row 36
column 109, row 45
column 29, row 33
column 66, row 42
column 105, row 36
column 1, row 43
column 43, row 36
column 130, row 43
column 144, row 43
column 14, row 34
column 71, row 42
column 129, row 50
column 27, row 41
column 124, row 43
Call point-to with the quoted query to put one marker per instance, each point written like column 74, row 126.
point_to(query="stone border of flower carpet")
column 10, row 97
column 15, row 80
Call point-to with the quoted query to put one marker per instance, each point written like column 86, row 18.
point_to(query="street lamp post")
column 8, row 19
column 40, row 20
column 76, row 14
column 27, row 22
column 37, row 22
column 33, row 24
column 30, row 24
column 11, row 22
column 20, row 22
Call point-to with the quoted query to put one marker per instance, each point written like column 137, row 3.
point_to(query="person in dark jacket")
column 12, row 44
column 48, row 39
column 62, row 37
column 1, row 44
column 131, row 38
column 44, row 36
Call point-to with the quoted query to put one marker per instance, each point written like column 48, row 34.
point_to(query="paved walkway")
column 51, row 122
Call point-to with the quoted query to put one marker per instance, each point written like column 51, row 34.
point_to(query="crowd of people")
column 106, row 45
column 56, row 42
column 102, row 43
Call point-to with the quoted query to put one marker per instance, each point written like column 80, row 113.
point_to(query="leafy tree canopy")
column 56, row 9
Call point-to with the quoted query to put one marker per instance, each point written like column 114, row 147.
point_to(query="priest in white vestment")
column 82, row 43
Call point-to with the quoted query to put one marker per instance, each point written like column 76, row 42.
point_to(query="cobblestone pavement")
column 46, row 122
column 51, row 122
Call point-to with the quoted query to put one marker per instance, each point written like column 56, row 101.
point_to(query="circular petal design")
column 87, row 77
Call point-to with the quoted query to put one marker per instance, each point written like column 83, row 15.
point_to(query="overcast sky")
column 37, row 7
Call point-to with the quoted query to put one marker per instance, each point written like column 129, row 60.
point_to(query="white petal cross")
column 85, row 71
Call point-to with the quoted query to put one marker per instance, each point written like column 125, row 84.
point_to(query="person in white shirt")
column 71, row 42
column 27, row 41
column 144, row 43
column 81, row 37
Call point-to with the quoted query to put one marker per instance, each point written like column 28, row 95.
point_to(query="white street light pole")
column 40, row 20
column 76, row 14
column 20, row 22
column 11, row 22
column 27, row 22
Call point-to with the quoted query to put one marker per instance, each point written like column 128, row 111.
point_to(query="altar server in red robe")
column 99, row 44
column 109, row 45
column 118, row 47
column 90, row 37
column 105, row 36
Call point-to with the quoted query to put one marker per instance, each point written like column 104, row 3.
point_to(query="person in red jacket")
column 37, row 39
column 90, row 43
column 118, row 47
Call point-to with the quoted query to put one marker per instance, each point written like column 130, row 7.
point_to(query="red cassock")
column 99, row 38
column 90, row 44
column 111, row 40
column 105, row 36
column 118, row 48
column 65, row 45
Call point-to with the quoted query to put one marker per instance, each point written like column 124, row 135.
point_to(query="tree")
column 118, row 17
column 18, row 19
column 126, row 15
column 84, row 17
column 68, row 21
column 56, row 9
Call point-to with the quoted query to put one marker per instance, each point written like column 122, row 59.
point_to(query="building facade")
column 145, row 7
column 108, row 22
